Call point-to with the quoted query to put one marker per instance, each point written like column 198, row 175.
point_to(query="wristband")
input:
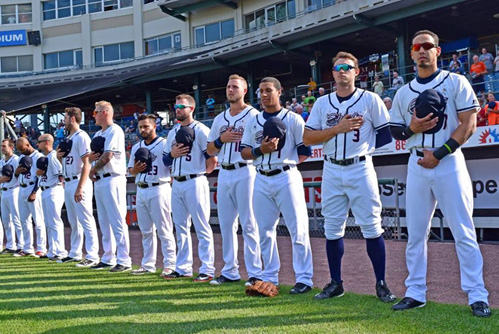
column 257, row 152
column 218, row 143
column 449, row 147
column 408, row 131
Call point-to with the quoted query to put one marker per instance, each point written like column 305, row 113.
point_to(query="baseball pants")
column 154, row 216
column 283, row 193
column 110, row 196
column 354, row 186
column 82, row 221
column 26, row 211
column 234, row 197
column 10, row 219
column 190, row 199
column 449, row 183
column 52, row 201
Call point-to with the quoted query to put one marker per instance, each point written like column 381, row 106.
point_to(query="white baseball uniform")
column 110, row 196
column 153, row 205
column 349, row 178
column 80, row 214
column 33, row 209
column 236, row 180
column 191, row 199
column 281, row 192
column 448, row 183
column 52, row 202
column 10, row 207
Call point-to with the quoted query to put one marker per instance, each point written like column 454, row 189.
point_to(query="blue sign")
column 13, row 37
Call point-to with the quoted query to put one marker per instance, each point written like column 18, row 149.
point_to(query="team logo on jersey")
column 333, row 119
column 357, row 114
column 153, row 156
column 412, row 104
column 239, row 129
column 259, row 136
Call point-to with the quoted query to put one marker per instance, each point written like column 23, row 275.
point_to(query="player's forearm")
column 302, row 158
column 103, row 160
column 247, row 154
column 211, row 149
column 210, row 164
column 85, row 171
column 314, row 137
column 465, row 130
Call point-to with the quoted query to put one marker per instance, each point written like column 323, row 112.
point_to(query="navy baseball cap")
column 8, row 170
column 26, row 162
column 274, row 127
column 144, row 155
column 97, row 144
column 65, row 146
column 42, row 163
column 185, row 135
column 431, row 101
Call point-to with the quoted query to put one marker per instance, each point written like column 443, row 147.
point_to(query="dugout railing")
column 390, row 215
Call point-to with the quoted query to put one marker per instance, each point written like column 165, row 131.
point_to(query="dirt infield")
column 357, row 273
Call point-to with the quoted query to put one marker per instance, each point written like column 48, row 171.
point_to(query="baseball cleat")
column 19, row 253
column 481, row 309
column 7, row 251
column 68, row 259
column 332, row 289
column 251, row 281
column 407, row 303
column 41, row 255
column 203, row 278
column 55, row 258
column 384, row 293
column 119, row 268
column 300, row 288
column 102, row 266
column 141, row 271
column 174, row 275
column 86, row 263
column 222, row 279
column 166, row 272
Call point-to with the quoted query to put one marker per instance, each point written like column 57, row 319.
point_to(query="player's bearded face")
column 146, row 129
column 183, row 114
column 235, row 91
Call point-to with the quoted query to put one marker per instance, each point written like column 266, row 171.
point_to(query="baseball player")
column 235, row 185
column 350, row 122
column 437, row 170
column 10, row 198
column 153, row 202
column 109, row 175
column 73, row 153
column 279, row 185
column 30, row 201
column 186, row 153
column 49, row 172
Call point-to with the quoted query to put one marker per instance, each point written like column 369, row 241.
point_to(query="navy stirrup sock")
column 376, row 251
column 335, row 250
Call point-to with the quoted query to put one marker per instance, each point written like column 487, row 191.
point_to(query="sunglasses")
column 96, row 111
column 344, row 67
column 181, row 106
column 41, row 141
column 426, row 46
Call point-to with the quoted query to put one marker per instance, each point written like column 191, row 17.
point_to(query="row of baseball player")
column 258, row 153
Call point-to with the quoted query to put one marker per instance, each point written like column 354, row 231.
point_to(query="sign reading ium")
column 13, row 37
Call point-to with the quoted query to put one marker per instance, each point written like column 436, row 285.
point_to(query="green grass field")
column 37, row 296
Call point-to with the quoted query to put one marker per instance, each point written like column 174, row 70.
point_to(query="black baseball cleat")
column 300, row 288
column 101, row 266
column 251, row 281
column 7, row 251
column 481, row 309
column 68, row 259
column 332, row 289
column 174, row 274
column 384, row 293
column 119, row 268
column 407, row 303
column 222, row 279
column 203, row 278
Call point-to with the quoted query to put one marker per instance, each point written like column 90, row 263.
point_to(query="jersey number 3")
column 356, row 136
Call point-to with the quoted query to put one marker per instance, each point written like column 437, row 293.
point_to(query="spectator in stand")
column 59, row 133
column 210, row 106
column 397, row 81
column 378, row 86
column 388, row 103
column 294, row 104
column 288, row 105
column 488, row 59
column 299, row 110
column 312, row 85
column 17, row 125
column 481, row 118
column 363, row 77
column 463, row 58
column 492, row 109
column 309, row 101
column 455, row 65
column 478, row 70
column 131, row 128
column 322, row 91
column 496, row 61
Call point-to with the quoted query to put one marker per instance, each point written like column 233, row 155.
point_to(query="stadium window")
column 318, row 4
column 14, row 14
column 213, row 32
column 79, row 7
column 49, row 12
column 63, row 59
column 160, row 44
column 24, row 12
column 94, row 6
column 63, row 8
column 270, row 15
column 113, row 52
column 16, row 64
column 56, row 9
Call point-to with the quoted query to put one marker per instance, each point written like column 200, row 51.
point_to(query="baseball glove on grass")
column 261, row 288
